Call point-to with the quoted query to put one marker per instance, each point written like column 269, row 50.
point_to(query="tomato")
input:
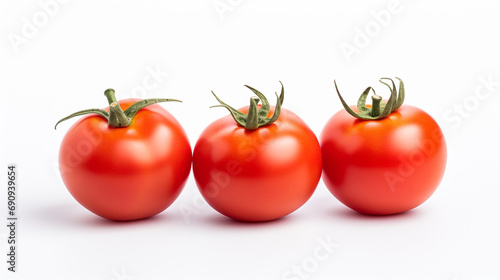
column 126, row 173
column 383, row 166
column 257, row 174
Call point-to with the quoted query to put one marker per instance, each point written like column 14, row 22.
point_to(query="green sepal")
column 386, row 108
column 256, row 117
column 134, row 108
column 101, row 112
column 116, row 117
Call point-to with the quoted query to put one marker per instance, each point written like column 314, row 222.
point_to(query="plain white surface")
column 59, row 57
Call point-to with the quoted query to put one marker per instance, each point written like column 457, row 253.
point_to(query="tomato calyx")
column 256, row 117
column 379, row 109
column 116, row 117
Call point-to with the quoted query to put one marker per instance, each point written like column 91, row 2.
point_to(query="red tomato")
column 383, row 166
column 126, row 173
column 257, row 175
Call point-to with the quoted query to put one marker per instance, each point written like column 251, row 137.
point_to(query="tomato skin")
column 385, row 166
column 126, row 173
column 257, row 175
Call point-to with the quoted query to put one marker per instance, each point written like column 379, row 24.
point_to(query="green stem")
column 117, row 117
column 110, row 95
column 253, row 114
column 256, row 117
column 379, row 109
column 376, row 103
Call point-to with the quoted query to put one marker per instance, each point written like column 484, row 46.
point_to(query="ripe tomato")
column 126, row 173
column 258, row 174
column 383, row 166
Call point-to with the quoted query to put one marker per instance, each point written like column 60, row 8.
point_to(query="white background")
column 59, row 57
